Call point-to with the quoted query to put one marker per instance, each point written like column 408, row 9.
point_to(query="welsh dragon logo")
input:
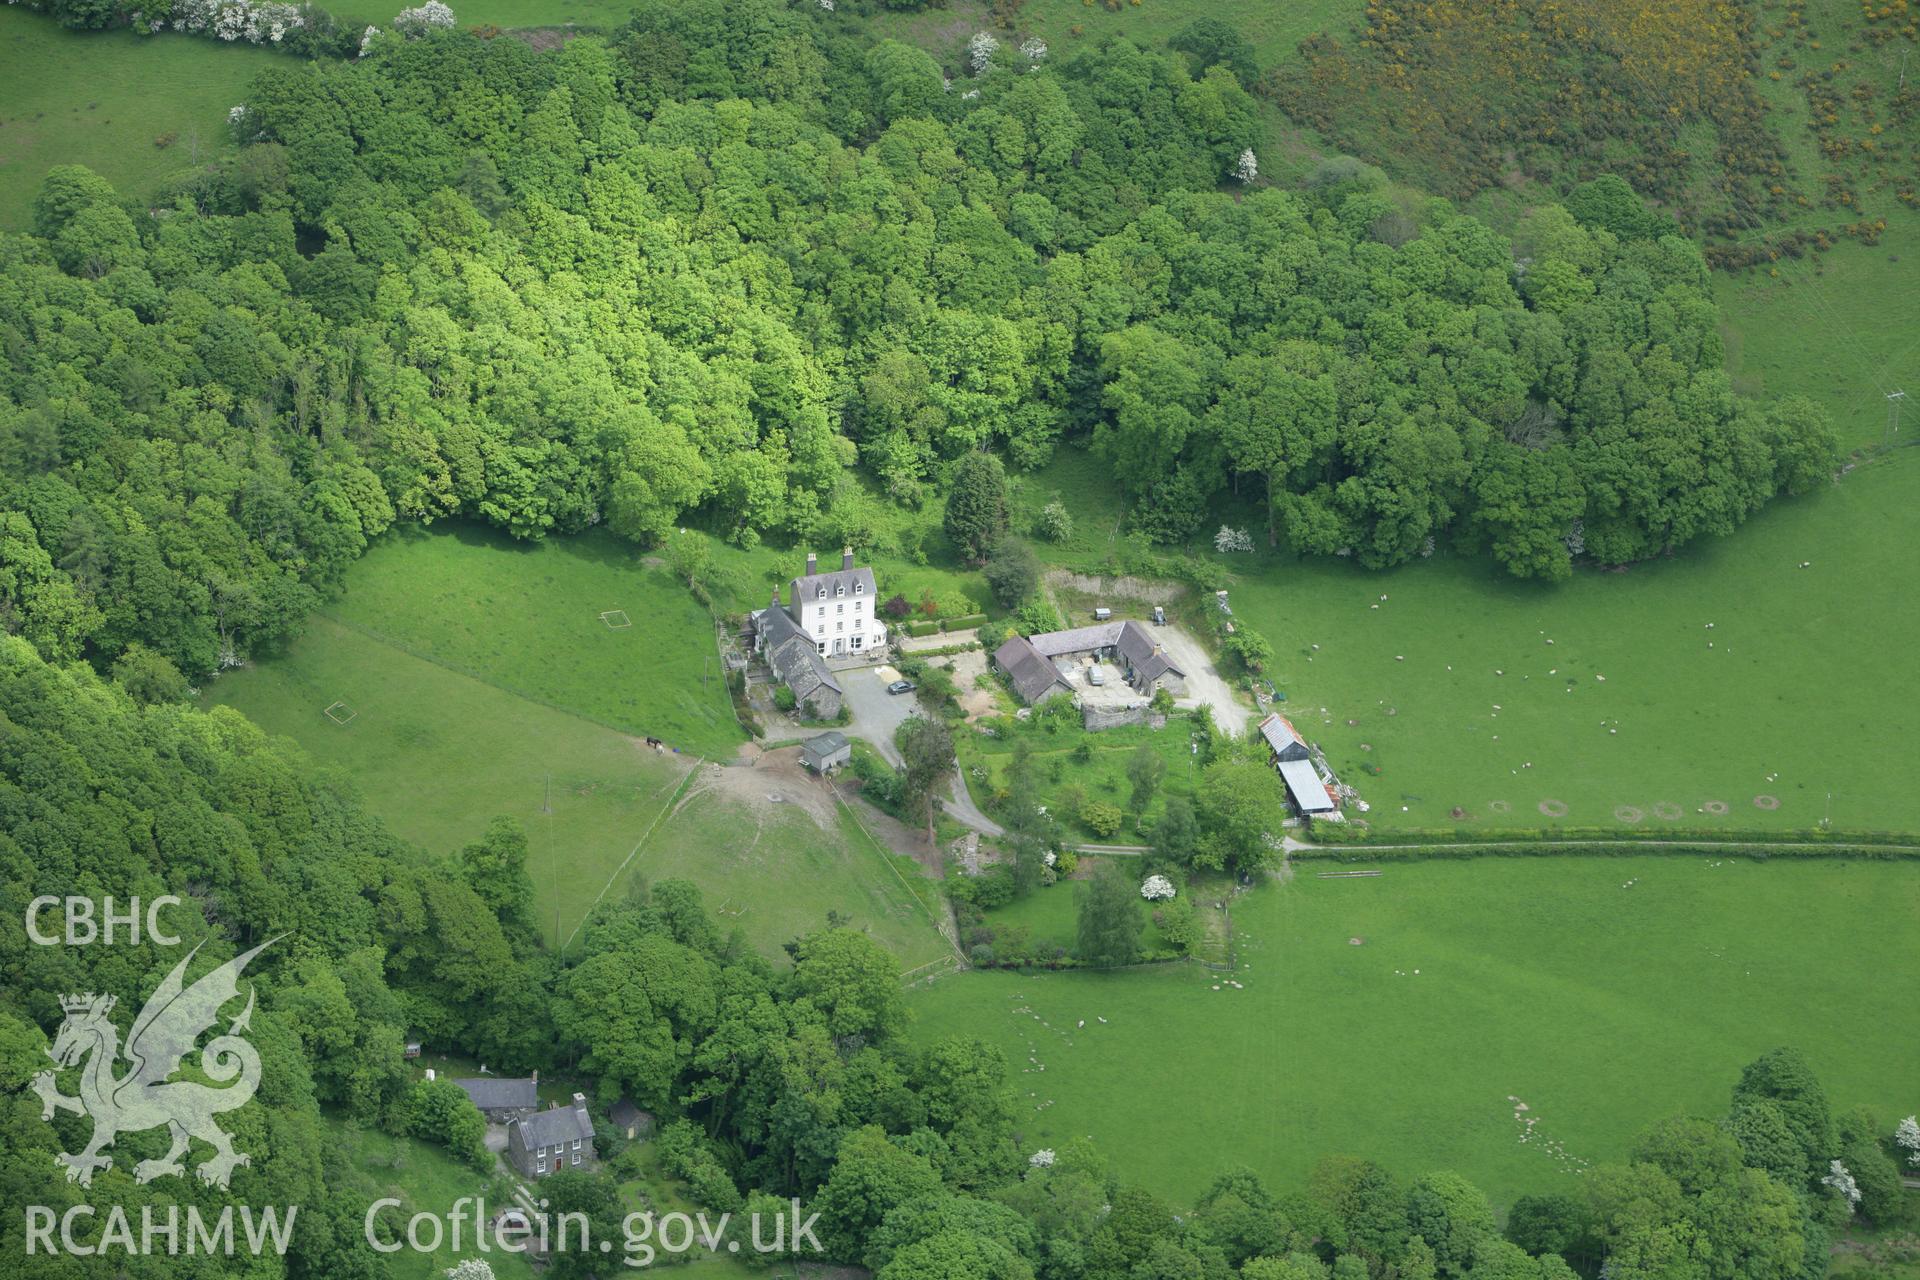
column 145, row 1097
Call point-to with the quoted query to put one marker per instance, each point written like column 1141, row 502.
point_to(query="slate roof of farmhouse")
column 1054, row 644
column 1032, row 675
column 499, row 1093
column 554, row 1127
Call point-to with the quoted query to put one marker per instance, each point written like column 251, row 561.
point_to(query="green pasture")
column 772, row 870
column 438, row 753
column 1052, row 914
column 528, row 618
column 102, row 99
column 1602, row 993
column 1638, row 712
column 1842, row 327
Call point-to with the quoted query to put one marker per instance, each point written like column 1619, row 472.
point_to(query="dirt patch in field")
column 765, row 782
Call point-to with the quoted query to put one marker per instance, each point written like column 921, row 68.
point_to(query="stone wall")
column 1094, row 719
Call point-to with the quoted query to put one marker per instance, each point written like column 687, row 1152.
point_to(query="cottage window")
column 859, row 588
column 840, row 590
column 576, row 1144
column 539, row 1151
column 821, row 594
column 856, row 642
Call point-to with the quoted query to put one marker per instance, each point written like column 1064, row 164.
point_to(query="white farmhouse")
column 837, row 608
column 831, row 615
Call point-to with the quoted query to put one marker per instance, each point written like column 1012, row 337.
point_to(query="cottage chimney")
column 536, row 1077
column 775, row 602
column 813, row 566
column 846, row 557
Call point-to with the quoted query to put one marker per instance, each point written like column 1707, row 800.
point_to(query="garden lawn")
column 1062, row 780
column 101, row 99
column 527, row 617
column 1605, row 993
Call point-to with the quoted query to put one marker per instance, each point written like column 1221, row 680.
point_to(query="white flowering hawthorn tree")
column 1842, row 1181
column 1156, row 889
column 417, row 21
column 980, row 51
column 1033, row 49
column 1041, row 1159
column 471, row 1269
column 231, row 20
column 1231, row 539
column 1248, row 167
column 1906, row 1136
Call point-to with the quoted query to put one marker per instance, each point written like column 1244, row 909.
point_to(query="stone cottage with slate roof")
column 544, row 1142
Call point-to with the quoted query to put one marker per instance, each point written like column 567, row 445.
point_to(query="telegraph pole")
column 1896, row 400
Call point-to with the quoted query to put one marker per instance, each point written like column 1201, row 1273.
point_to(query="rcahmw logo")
column 130, row 1088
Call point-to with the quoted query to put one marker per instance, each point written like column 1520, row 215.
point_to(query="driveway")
column 1204, row 681
column 876, row 713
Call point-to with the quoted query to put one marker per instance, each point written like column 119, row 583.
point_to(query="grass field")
column 1602, row 1007
column 527, row 617
column 438, row 752
column 102, row 98
column 1446, row 670
column 1052, row 914
column 1843, row 328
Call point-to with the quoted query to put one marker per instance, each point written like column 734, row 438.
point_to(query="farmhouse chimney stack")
column 846, row 557
column 813, row 566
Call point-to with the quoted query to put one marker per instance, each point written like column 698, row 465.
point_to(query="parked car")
column 1094, row 677
column 1159, row 616
column 900, row 686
